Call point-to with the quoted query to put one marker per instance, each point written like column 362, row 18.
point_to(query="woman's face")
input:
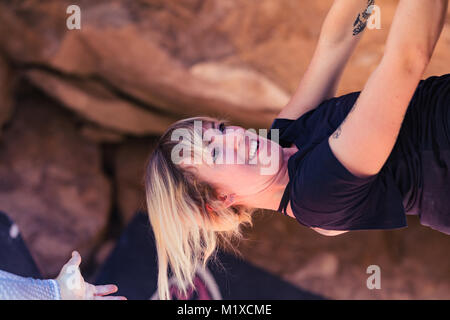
column 236, row 160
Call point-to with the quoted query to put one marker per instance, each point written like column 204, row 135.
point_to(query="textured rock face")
column 7, row 80
column 51, row 184
column 131, row 158
column 156, row 61
column 136, row 66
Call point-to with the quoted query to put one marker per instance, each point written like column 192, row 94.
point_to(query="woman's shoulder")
column 314, row 125
column 318, row 172
column 325, row 194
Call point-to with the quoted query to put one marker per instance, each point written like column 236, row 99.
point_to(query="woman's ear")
column 228, row 199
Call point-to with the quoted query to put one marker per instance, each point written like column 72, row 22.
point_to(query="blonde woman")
column 356, row 162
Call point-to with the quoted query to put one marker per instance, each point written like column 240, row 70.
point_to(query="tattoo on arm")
column 358, row 26
column 361, row 20
column 338, row 131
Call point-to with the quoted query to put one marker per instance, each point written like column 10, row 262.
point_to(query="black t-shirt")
column 323, row 193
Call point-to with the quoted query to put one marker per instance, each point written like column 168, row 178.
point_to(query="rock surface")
column 336, row 267
column 136, row 66
column 7, row 80
column 130, row 160
column 150, row 62
column 51, row 183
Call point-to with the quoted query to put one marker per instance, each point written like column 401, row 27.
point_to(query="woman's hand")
column 73, row 287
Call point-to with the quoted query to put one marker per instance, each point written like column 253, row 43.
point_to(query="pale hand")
column 73, row 286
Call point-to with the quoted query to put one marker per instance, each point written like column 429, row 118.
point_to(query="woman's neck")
column 270, row 197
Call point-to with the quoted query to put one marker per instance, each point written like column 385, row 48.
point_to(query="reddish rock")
column 100, row 135
column 155, row 54
column 52, row 184
column 165, row 60
column 7, row 81
column 130, row 160
column 97, row 104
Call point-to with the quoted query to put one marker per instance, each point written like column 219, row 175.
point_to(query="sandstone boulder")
column 160, row 60
column 7, row 80
column 129, row 165
column 167, row 59
column 52, row 184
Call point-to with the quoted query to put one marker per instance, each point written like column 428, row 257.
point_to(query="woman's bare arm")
column 339, row 36
column 365, row 139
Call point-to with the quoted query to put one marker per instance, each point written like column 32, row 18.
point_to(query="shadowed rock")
column 51, row 183
column 7, row 80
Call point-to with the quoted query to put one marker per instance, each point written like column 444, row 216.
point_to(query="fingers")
column 110, row 298
column 101, row 292
column 75, row 260
column 71, row 266
column 105, row 289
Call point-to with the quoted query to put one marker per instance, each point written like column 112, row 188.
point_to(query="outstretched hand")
column 73, row 286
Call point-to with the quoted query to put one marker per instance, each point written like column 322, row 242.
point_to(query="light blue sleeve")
column 13, row 287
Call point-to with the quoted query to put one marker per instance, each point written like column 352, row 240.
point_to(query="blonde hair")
column 188, row 219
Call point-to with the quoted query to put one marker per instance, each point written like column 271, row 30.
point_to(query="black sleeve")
column 326, row 195
column 281, row 124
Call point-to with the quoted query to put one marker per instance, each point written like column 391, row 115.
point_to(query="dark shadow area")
column 14, row 255
column 133, row 267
